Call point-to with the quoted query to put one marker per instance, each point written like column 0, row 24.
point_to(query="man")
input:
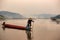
column 29, row 22
column 28, row 27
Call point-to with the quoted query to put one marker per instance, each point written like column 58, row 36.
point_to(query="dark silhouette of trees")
column 2, row 17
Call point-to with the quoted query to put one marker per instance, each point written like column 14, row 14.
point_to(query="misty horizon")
column 30, row 7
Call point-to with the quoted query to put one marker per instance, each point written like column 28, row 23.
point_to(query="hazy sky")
column 30, row 7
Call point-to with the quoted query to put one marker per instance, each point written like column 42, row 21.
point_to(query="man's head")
column 30, row 18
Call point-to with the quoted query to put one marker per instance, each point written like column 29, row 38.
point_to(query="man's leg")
column 28, row 35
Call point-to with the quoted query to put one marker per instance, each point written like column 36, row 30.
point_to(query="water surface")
column 43, row 29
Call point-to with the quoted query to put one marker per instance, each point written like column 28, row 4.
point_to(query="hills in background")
column 11, row 15
column 45, row 15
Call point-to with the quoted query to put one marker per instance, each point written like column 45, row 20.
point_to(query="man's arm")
column 32, row 21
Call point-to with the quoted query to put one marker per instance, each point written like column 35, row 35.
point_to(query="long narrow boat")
column 13, row 26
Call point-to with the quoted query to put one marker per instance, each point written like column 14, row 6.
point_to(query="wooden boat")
column 14, row 26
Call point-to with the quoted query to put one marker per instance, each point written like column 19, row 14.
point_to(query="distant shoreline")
column 25, row 18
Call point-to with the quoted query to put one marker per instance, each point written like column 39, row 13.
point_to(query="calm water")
column 43, row 29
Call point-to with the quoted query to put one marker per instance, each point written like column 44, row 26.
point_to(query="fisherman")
column 29, row 23
column 28, row 27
